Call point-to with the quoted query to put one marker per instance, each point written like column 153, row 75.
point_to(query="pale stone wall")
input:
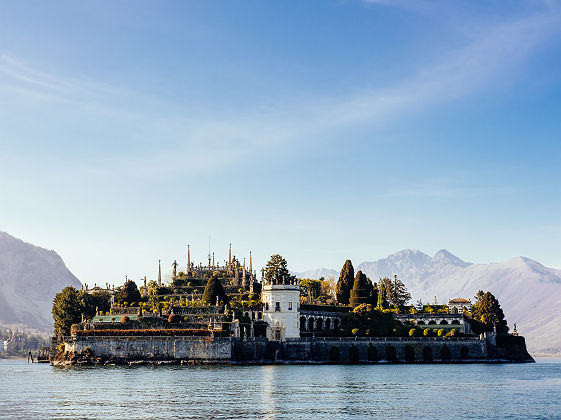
column 319, row 350
column 155, row 348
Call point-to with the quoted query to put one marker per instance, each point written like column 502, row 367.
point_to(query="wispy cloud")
column 15, row 69
column 489, row 55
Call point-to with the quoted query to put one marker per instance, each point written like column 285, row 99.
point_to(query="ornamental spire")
column 230, row 255
column 250, row 265
column 188, row 259
column 159, row 273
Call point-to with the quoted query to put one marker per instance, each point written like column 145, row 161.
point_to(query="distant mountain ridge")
column 529, row 293
column 30, row 276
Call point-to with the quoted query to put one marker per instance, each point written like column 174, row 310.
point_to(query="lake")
column 33, row 391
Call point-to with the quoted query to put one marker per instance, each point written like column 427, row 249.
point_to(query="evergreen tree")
column 66, row 310
column 374, row 293
column 395, row 291
column 361, row 291
column 214, row 289
column 381, row 296
column 128, row 293
column 345, row 283
column 310, row 287
column 487, row 310
column 400, row 294
column 276, row 271
column 90, row 301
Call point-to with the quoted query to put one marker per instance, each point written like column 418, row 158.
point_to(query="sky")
column 317, row 130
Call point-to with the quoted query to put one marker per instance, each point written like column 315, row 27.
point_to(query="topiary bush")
column 213, row 290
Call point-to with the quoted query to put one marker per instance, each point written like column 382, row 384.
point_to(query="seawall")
column 88, row 350
column 119, row 349
column 362, row 350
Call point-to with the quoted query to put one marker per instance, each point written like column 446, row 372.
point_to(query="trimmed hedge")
column 327, row 308
column 199, row 332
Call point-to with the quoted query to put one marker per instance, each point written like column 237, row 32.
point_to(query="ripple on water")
column 290, row 392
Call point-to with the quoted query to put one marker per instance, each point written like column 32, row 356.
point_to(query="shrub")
column 426, row 332
column 124, row 319
column 213, row 290
column 412, row 332
column 453, row 332
column 441, row 332
column 150, row 332
column 355, row 331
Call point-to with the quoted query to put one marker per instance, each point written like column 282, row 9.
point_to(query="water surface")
column 283, row 392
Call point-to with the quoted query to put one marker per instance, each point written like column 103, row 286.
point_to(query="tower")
column 250, row 265
column 282, row 310
column 213, row 259
column 230, row 255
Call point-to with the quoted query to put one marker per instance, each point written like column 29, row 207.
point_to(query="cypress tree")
column 381, row 296
column 362, row 290
column 214, row 289
column 345, row 283
column 374, row 293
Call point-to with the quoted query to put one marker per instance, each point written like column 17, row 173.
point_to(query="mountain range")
column 30, row 277
column 529, row 293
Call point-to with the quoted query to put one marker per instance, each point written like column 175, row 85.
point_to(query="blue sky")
column 318, row 130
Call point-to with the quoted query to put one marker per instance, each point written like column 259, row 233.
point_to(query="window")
column 277, row 306
column 266, row 306
column 289, row 306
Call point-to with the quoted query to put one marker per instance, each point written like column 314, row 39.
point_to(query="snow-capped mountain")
column 529, row 293
column 317, row 273
column 30, row 277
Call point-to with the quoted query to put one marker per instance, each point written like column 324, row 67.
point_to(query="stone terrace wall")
column 155, row 348
column 261, row 350
column 436, row 349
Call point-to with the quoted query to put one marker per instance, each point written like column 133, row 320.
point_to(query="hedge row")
column 200, row 332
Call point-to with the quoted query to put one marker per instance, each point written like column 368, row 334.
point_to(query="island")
column 211, row 313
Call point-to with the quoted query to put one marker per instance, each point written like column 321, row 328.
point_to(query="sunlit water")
column 291, row 392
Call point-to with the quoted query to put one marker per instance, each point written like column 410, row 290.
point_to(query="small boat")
column 44, row 355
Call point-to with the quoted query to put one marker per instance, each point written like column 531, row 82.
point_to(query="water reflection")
column 280, row 392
